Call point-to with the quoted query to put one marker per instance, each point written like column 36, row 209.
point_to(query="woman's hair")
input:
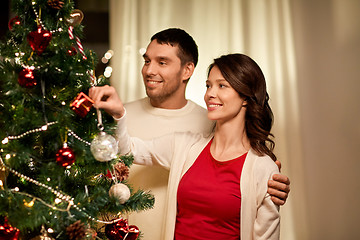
column 246, row 77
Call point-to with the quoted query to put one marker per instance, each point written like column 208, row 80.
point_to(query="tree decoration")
column 39, row 40
column 7, row 231
column 120, row 230
column 14, row 22
column 120, row 172
column 27, row 78
column 82, row 104
column 120, row 191
column 56, row 4
column 78, row 41
column 65, row 156
column 76, row 231
column 72, row 51
column 104, row 147
column 75, row 18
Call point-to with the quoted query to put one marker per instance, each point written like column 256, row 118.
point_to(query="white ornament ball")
column 120, row 191
column 104, row 147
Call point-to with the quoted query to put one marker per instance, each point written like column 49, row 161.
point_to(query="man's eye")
column 162, row 63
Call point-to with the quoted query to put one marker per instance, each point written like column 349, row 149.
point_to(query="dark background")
column 95, row 22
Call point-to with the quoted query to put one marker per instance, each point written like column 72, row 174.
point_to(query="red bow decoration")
column 81, row 104
column 120, row 230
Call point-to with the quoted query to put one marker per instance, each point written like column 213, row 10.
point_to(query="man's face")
column 162, row 72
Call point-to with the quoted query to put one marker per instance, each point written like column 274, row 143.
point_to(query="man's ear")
column 188, row 71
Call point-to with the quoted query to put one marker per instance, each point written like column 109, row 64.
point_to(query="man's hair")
column 188, row 50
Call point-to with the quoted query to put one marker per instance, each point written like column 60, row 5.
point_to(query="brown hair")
column 246, row 77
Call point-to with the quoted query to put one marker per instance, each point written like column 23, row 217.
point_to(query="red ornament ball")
column 14, row 22
column 27, row 78
column 39, row 39
column 121, row 230
column 7, row 231
column 72, row 51
column 65, row 156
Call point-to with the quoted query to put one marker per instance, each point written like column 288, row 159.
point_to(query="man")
column 169, row 62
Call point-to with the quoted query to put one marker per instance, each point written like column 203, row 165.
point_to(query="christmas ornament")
column 65, row 156
column 56, row 4
column 120, row 230
column 39, row 39
column 78, row 42
column 120, row 191
column 120, row 172
column 104, row 147
column 26, row 77
column 72, row 51
column 7, row 231
column 76, row 16
column 76, row 231
column 14, row 22
column 81, row 104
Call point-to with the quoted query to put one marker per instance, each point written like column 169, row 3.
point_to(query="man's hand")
column 106, row 98
column 279, row 187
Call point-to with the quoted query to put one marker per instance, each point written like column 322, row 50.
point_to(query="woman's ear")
column 244, row 104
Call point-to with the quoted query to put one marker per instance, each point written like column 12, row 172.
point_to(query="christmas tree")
column 60, row 175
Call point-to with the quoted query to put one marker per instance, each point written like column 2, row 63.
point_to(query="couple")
column 218, row 181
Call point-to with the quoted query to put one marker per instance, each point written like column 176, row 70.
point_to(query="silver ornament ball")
column 104, row 147
column 120, row 191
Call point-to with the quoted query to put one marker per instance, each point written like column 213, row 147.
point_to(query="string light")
column 43, row 128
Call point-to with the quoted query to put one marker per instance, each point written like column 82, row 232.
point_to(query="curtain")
column 259, row 28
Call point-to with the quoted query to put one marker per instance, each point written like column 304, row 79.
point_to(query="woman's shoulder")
column 262, row 163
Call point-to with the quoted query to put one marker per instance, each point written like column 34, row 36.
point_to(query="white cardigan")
column 259, row 217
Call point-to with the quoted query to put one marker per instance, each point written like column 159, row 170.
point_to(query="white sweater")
column 259, row 217
column 146, row 122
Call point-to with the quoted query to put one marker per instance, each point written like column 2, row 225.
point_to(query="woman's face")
column 222, row 101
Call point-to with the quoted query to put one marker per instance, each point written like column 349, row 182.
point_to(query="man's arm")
column 279, row 187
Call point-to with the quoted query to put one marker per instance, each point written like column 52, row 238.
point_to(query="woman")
column 218, row 184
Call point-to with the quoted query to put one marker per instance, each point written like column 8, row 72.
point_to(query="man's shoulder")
column 135, row 103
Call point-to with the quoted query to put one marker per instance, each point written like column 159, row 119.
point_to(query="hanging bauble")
column 76, row 16
column 120, row 230
column 39, row 39
column 120, row 191
column 27, row 78
column 15, row 21
column 72, row 51
column 65, row 156
column 55, row 4
column 7, row 231
column 104, row 147
column 82, row 104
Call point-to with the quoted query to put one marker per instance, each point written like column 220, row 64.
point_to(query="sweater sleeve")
column 267, row 221
column 157, row 151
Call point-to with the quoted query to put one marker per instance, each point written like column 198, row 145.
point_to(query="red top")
column 209, row 199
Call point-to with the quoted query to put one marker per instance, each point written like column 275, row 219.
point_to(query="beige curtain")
column 261, row 29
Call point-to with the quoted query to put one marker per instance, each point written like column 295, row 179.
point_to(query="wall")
column 327, row 46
